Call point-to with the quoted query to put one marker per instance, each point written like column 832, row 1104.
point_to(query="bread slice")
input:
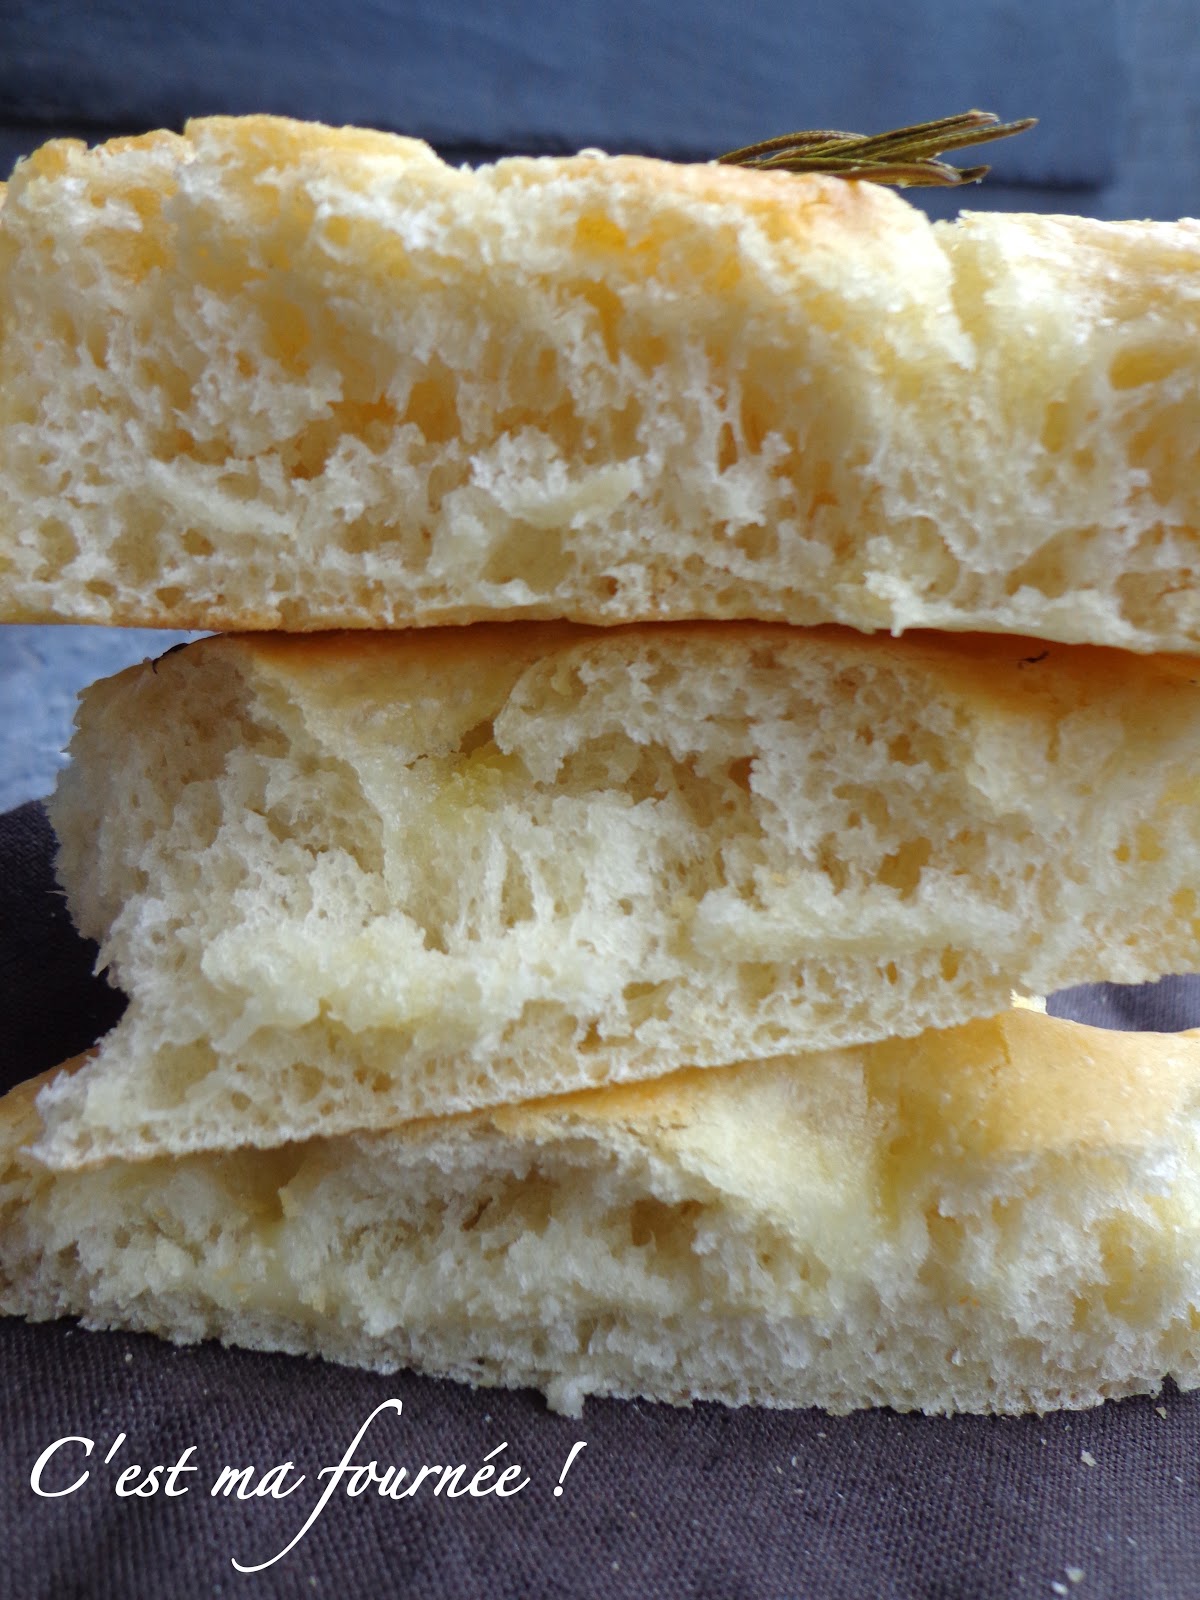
column 1002, row 1217
column 274, row 375
column 348, row 880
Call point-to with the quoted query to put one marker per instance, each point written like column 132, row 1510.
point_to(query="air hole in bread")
column 758, row 980
column 902, row 869
column 644, row 1001
column 1054, row 429
column 607, row 312
column 432, row 404
column 196, row 543
column 756, row 541
column 1137, row 365
column 59, row 545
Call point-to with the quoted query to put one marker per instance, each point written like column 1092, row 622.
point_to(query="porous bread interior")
column 1001, row 1218
column 268, row 374
column 355, row 879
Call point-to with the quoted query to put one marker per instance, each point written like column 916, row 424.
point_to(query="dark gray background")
column 670, row 80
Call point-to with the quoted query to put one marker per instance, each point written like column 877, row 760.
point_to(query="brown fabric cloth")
column 709, row 1502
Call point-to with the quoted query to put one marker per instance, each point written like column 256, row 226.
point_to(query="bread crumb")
column 1162, row 1410
column 1074, row 1574
column 1059, row 1588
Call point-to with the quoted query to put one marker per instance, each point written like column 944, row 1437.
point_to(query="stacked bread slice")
column 616, row 1008
column 995, row 1217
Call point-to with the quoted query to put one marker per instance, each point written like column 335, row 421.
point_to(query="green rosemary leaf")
column 902, row 156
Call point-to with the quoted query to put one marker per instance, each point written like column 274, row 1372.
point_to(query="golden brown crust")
column 996, row 668
column 1021, row 1081
column 799, row 205
column 1018, row 1082
column 803, row 207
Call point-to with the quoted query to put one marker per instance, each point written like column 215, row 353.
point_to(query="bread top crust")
column 992, row 669
column 1020, row 1084
column 809, row 207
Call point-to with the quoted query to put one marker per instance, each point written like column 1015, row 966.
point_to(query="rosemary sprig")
column 904, row 156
